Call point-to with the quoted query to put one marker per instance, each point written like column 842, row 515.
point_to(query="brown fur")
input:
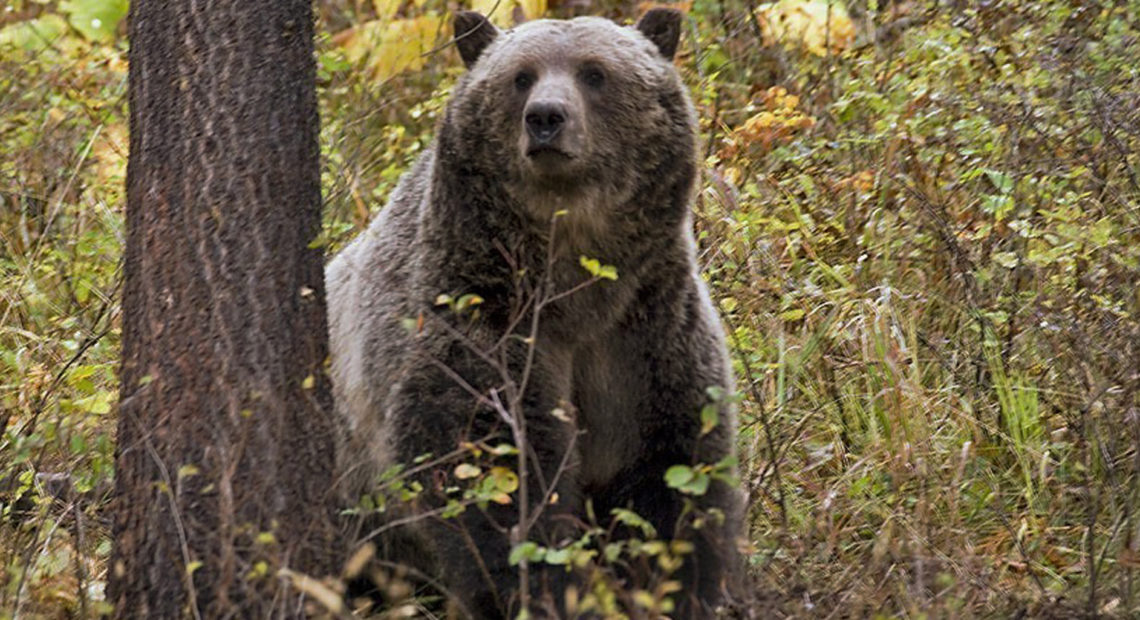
column 590, row 118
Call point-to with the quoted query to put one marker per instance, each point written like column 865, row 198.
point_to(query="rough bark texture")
column 225, row 431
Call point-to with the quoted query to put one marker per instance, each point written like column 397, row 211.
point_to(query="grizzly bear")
column 532, row 282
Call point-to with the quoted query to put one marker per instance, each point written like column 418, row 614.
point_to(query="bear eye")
column 593, row 77
column 523, row 80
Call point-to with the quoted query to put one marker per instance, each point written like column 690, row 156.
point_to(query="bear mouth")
column 546, row 153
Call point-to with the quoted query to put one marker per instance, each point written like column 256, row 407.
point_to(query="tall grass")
column 932, row 290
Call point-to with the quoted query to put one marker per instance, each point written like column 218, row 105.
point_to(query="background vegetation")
column 921, row 221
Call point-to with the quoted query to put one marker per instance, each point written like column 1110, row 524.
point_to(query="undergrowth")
column 925, row 244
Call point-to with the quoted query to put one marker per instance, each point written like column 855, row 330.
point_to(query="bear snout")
column 552, row 128
column 544, row 121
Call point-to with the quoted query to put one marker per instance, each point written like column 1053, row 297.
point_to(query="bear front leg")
column 475, row 547
column 440, row 415
column 708, row 521
column 673, row 363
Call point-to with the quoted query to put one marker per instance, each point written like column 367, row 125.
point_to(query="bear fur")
column 564, row 139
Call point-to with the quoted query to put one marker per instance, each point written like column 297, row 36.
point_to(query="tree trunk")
column 225, row 445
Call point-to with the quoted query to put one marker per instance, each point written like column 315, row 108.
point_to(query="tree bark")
column 225, row 445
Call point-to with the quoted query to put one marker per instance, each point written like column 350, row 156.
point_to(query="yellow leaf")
column 816, row 25
column 794, row 314
column 314, row 589
column 507, row 13
column 391, row 47
column 464, row 471
column 386, row 9
column 359, row 560
column 506, row 480
column 110, row 154
column 597, row 269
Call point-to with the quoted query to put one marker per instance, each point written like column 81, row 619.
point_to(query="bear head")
column 571, row 113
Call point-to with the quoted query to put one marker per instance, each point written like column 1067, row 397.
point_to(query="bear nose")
column 544, row 119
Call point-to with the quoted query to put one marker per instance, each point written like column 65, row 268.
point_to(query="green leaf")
column 97, row 403
column 503, row 449
column 1001, row 181
column 678, row 476
column 529, row 551
column 1005, row 259
column 710, row 417
column 96, row 20
column 999, row 206
column 467, row 301
column 632, row 519
column 453, row 509
column 699, row 485
column 33, row 35
column 688, row 480
column 558, row 557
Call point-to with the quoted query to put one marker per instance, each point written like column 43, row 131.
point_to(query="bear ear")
column 473, row 33
column 663, row 27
